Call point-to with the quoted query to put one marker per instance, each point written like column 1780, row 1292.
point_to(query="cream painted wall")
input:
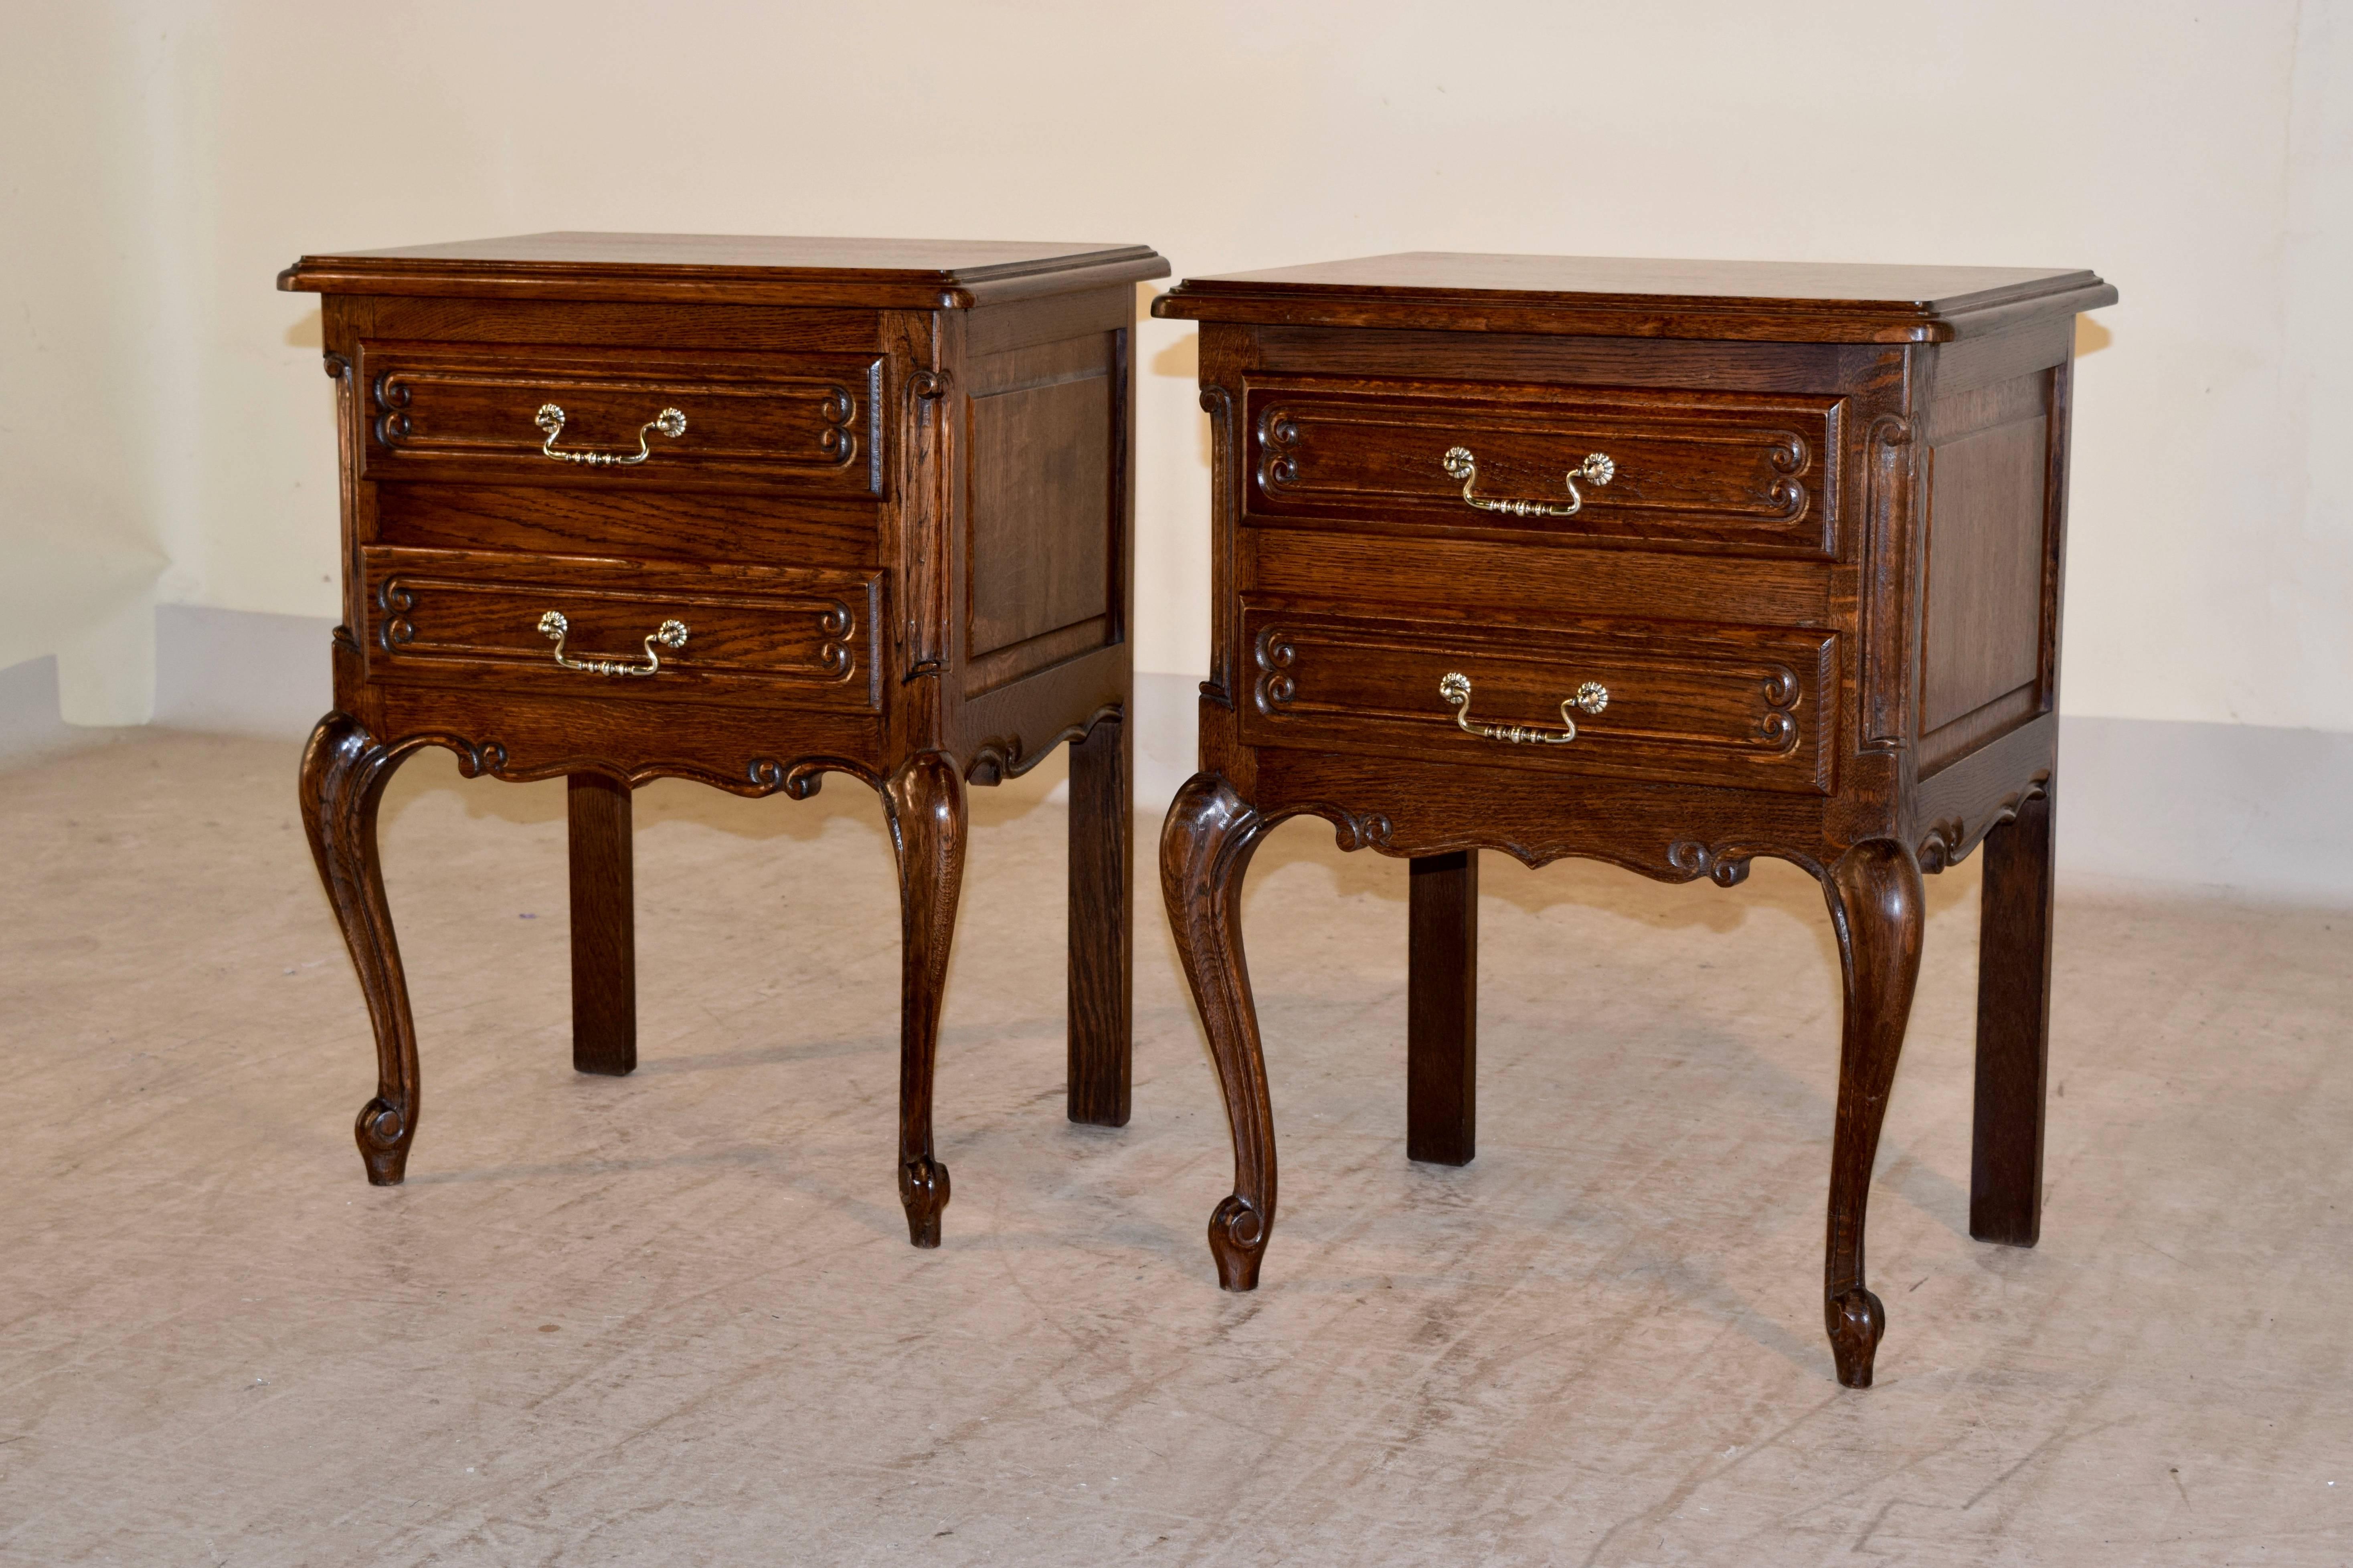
column 167, row 420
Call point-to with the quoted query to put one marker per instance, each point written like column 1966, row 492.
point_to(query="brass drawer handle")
column 1455, row 688
column 550, row 419
column 1599, row 468
column 670, row 634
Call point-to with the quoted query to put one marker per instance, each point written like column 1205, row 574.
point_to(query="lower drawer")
column 1743, row 706
column 580, row 626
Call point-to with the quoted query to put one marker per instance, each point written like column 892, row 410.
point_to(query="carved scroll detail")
column 1275, row 656
column 797, row 780
column 1002, row 757
column 1946, row 844
column 1278, row 442
column 1779, row 726
column 1724, row 864
column 1790, row 454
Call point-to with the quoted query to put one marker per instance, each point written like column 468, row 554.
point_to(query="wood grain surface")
column 817, row 531
column 1825, row 608
column 1441, row 1009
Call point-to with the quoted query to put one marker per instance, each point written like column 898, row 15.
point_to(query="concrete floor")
column 674, row 1319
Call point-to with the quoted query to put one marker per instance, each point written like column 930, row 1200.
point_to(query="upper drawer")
column 491, row 414
column 1748, row 472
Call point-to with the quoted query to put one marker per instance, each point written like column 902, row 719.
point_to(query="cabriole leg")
column 343, row 774
column 1205, row 848
column 1876, row 904
column 1100, row 886
column 923, row 799
column 2014, row 1028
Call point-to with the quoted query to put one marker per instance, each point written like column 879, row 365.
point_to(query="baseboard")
column 240, row 672
column 2234, row 810
column 30, row 729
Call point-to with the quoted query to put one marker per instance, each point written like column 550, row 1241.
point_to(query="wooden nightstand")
column 746, row 511
column 1669, row 564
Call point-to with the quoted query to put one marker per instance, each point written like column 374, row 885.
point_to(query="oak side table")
column 746, row 511
column 1668, row 563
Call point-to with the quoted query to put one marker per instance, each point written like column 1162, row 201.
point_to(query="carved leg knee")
column 924, row 800
column 344, row 774
column 1205, row 848
column 1875, row 905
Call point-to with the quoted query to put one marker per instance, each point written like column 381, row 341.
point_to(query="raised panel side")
column 1986, row 477
column 1042, row 525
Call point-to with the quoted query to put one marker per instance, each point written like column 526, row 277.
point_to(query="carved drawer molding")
column 488, row 414
column 1695, row 470
column 1740, row 706
column 800, row 638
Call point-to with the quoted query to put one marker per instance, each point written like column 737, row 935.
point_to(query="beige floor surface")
column 674, row 1319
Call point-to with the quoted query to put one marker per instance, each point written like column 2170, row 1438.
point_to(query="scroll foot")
column 383, row 1131
column 1855, row 1320
column 923, row 1191
column 1237, row 1240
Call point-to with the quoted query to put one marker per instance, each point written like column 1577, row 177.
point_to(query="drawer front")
column 486, row 414
column 1746, row 707
column 581, row 626
column 1754, row 473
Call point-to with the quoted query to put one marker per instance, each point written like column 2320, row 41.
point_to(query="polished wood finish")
column 1731, row 705
column 2013, row 1027
column 465, row 413
column 1757, row 301
column 1694, row 468
column 1041, row 457
column 345, row 770
column 1873, row 890
column 604, row 926
column 1821, row 590
column 756, row 635
column 731, row 268
column 895, row 525
column 1205, row 849
column 1101, row 937
column 1441, row 1009
column 924, row 801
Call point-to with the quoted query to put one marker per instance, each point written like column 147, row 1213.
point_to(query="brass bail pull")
column 550, row 419
column 670, row 634
column 1454, row 687
column 1599, row 468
